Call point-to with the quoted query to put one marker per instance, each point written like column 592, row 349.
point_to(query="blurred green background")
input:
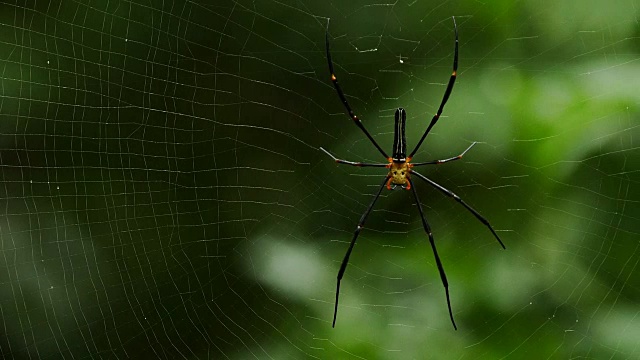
column 163, row 194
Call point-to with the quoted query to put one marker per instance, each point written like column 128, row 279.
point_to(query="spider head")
column 399, row 174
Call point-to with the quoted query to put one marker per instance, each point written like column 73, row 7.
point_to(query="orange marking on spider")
column 399, row 174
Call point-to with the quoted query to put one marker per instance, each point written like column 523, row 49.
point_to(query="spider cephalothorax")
column 400, row 171
column 399, row 174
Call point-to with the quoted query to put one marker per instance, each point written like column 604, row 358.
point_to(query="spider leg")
column 447, row 92
column 353, row 163
column 445, row 160
column 443, row 276
column 458, row 199
column 343, row 98
column 345, row 261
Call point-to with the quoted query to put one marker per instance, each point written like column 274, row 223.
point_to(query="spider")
column 401, row 170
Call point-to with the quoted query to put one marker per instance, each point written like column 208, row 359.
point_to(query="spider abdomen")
column 399, row 139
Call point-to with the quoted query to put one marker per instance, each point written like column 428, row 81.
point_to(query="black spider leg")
column 352, row 163
column 458, row 199
column 353, row 116
column 436, row 162
column 447, row 92
column 443, row 276
column 345, row 261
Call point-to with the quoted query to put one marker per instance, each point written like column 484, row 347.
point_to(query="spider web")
column 164, row 195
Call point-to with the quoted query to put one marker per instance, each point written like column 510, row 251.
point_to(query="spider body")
column 399, row 165
column 400, row 171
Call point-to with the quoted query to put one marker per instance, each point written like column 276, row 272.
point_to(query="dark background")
column 163, row 194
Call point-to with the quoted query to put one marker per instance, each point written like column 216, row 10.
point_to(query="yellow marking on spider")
column 399, row 174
